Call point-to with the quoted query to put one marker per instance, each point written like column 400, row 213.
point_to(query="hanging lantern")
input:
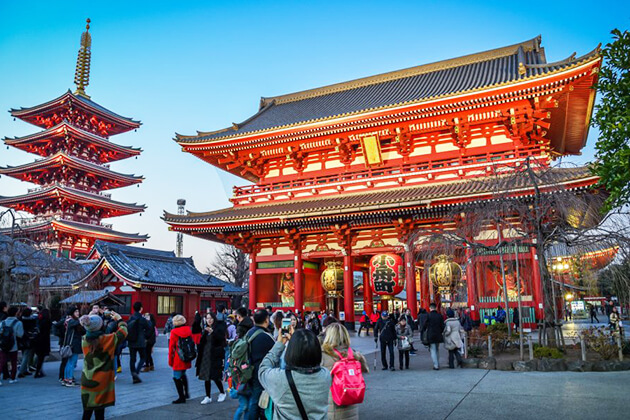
column 387, row 275
column 445, row 273
column 332, row 278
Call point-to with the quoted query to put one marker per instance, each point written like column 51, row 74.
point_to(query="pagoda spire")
column 82, row 73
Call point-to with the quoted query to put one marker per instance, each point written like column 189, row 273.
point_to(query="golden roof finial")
column 82, row 73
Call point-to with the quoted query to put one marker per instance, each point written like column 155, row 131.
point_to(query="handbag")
column 296, row 395
column 263, row 401
column 424, row 337
column 66, row 350
column 404, row 344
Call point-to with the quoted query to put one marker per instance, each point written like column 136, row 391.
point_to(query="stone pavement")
column 416, row 393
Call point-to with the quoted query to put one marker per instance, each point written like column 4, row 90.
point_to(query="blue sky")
column 201, row 65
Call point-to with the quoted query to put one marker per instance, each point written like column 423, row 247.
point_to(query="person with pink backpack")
column 346, row 367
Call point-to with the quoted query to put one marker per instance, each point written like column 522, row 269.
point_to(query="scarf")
column 92, row 335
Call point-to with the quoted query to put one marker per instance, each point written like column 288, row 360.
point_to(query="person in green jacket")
column 97, row 380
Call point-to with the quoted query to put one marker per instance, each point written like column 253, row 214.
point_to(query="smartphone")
column 286, row 323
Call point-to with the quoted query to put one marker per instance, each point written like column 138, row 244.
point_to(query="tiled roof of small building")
column 430, row 81
column 92, row 297
column 155, row 267
column 65, row 280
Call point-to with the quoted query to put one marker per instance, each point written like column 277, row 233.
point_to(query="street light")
column 568, row 296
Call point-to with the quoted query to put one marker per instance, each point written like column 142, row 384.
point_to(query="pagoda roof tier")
column 80, row 230
column 453, row 78
column 54, row 168
column 57, row 197
column 98, row 119
column 42, row 143
column 356, row 205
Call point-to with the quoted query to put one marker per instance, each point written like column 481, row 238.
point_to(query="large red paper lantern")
column 387, row 275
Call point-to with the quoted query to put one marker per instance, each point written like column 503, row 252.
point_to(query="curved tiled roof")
column 63, row 160
column 446, row 78
column 371, row 200
column 155, row 267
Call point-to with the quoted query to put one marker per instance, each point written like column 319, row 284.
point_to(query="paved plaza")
column 416, row 393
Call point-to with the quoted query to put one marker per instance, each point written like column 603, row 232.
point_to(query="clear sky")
column 201, row 65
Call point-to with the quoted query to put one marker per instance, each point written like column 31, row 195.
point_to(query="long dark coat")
column 434, row 327
column 210, row 355
column 74, row 340
column 41, row 344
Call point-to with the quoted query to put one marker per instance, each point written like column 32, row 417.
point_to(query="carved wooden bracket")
column 460, row 131
column 296, row 156
column 403, row 142
column 244, row 241
column 344, row 236
column 404, row 228
column 347, row 152
column 294, row 238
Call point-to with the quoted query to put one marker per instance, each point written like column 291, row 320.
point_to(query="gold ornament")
column 445, row 273
column 332, row 278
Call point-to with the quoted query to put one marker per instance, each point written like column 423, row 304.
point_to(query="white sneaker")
column 221, row 397
column 206, row 400
column 12, row 381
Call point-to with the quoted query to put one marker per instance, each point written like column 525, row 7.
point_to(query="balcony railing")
column 370, row 173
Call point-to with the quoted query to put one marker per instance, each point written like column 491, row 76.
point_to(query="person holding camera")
column 97, row 379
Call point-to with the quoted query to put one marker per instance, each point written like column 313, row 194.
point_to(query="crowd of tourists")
column 280, row 365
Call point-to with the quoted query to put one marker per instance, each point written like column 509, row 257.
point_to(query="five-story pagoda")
column 68, row 205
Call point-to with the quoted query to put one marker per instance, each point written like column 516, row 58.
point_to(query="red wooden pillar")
column 412, row 299
column 348, row 291
column 537, row 284
column 424, row 294
column 368, row 300
column 298, row 281
column 470, row 284
column 252, row 280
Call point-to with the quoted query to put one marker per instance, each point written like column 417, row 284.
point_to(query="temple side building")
column 68, row 203
column 347, row 172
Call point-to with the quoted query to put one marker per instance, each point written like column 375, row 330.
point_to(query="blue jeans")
column 435, row 347
column 253, row 409
column 70, row 365
column 133, row 367
column 26, row 357
column 243, row 406
column 177, row 374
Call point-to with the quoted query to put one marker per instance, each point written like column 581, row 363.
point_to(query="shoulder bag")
column 66, row 350
column 296, row 395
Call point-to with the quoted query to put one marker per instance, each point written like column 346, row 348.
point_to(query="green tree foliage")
column 612, row 117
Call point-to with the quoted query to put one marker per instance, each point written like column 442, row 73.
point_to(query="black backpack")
column 132, row 330
column 7, row 337
column 186, row 349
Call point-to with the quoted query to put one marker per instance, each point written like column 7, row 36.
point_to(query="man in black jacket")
column 385, row 329
column 434, row 327
column 139, row 330
column 259, row 347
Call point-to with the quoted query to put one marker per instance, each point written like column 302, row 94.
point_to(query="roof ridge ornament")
column 82, row 73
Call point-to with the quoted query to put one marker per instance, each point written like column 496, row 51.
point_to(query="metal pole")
column 465, row 345
column 583, row 348
column 505, row 295
column 489, row 345
column 531, row 348
column 618, row 334
column 520, row 307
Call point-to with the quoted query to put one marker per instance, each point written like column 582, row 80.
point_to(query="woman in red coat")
column 179, row 367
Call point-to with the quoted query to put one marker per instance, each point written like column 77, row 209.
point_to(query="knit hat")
column 179, row 320
column 450, row 313
column 91, row 322
column 329, row 320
